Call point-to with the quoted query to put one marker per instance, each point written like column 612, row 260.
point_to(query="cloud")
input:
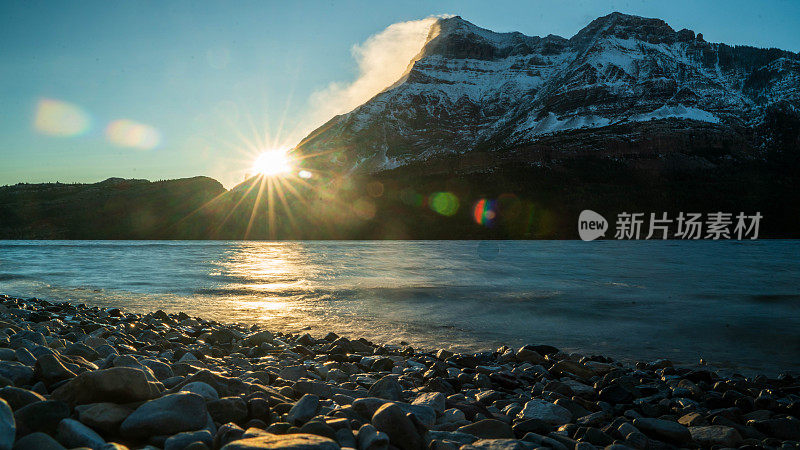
column 382, row 60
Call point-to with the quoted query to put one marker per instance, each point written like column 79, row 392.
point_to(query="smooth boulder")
column 8, row 426
column 167, row 415
column 115, row 385
column 270, row 441
column 73, row 434
column 402, row 433
column 545, row 411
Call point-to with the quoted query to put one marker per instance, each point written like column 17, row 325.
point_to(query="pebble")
column 8, row 427
column 104, row 417
column 181, row 440
column 402, row 433
column 546, row 412
column 90, row 377
column 387, row 388
column 116, row 385
column 663, row 429
column 488, row 429
column 369, row 438
column 38, row 441
column 201, row 389
column 41, row 416
column 285, row 442
column 304, row 409
column 73, row 434
column 716, row 435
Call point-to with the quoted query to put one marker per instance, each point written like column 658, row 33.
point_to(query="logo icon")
column 591, row 225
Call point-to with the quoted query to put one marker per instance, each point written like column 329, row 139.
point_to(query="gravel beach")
column 102, row 378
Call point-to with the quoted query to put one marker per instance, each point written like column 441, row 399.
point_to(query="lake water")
column 734, row 304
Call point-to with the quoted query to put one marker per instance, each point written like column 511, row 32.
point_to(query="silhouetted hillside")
column 112, row 209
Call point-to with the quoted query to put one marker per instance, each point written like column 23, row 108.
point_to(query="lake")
column 732, row 303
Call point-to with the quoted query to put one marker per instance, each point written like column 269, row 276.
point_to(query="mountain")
column 112, row 209
column 622, row 87
column 494, row 135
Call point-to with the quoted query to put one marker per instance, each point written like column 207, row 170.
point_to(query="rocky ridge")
column 474, row 89
column 74, row 376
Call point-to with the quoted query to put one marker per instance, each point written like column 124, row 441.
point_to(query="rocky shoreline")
column 81, row 377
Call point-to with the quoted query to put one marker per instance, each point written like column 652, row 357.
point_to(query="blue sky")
column 187, row 87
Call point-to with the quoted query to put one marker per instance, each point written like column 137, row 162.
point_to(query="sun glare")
column 273, row 162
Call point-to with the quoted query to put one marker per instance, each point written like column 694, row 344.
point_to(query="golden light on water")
column 273, row 162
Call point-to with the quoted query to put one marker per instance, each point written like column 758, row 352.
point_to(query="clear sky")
column 158, row 90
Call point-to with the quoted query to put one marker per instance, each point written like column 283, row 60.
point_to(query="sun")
column 273, row 162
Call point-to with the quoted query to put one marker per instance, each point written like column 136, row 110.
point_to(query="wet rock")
column 285, row 442
column 387, row 388
column 665, row 430
column 304, row 409
column 402, row 433
column 167, row 415
column 116, row 385
column 41, row 416
column 716, row 435
column 8, row 426
column 488, row 429
column 546, row 412
column 73, row 434
column 104, row 417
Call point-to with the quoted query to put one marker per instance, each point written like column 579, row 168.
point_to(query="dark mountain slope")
column 111, row 209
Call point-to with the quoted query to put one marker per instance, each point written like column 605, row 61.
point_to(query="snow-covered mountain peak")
column 471, row 88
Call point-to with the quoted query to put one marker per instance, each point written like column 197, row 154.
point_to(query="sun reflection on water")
column 268, row 278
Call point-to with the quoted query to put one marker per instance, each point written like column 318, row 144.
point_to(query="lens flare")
column 304, row 174
column 444, row 203
column 58, row 118
column 127, row 133
column 484, row 212
column 273, row 162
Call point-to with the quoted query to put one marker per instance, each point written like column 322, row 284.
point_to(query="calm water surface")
column 734, row 304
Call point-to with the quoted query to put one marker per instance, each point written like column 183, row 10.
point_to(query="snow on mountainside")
column 474, row 89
